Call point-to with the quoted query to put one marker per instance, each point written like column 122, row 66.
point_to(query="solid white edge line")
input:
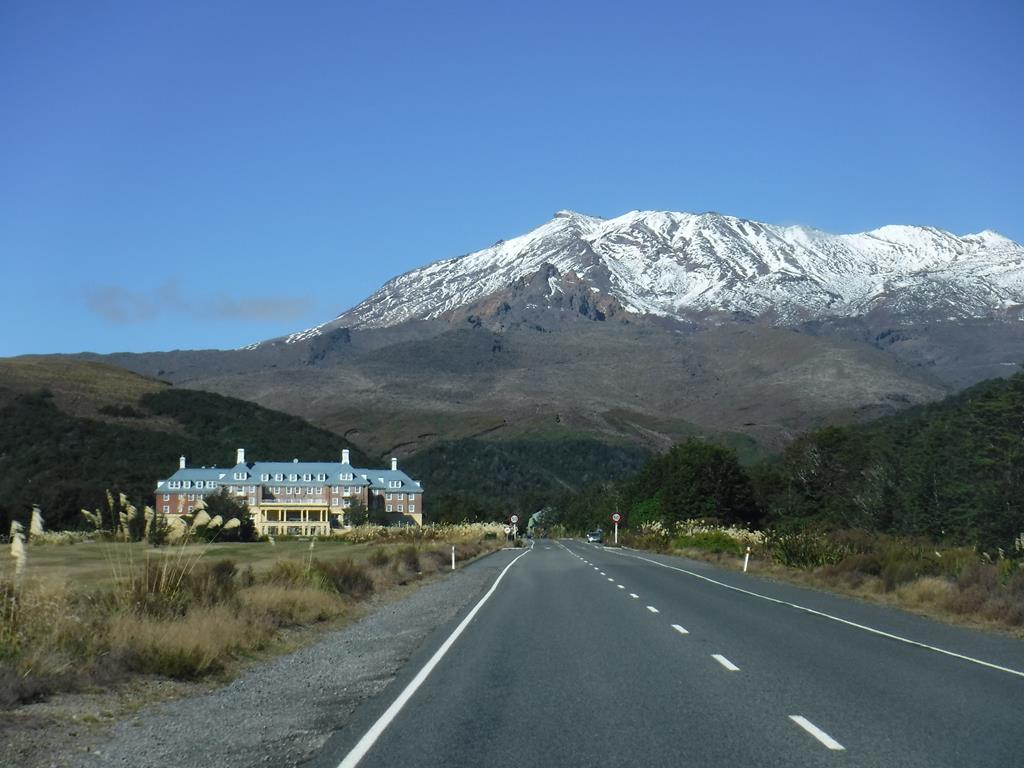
column 358, row 752
column 725, row 662
column 816, row 732
column 652, row 609
column 680, row 629
column 829, row 616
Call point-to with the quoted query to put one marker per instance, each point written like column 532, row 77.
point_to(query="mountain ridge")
column 671, row 265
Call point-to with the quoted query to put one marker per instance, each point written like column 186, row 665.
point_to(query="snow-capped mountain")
column 676, row 264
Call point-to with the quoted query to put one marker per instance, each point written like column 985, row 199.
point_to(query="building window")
column 389, row 496
column 412, row 507
column 401, row 507
column 388, row 507
column 167, row 497
column 167, row 509
column 334, row 502
column 252, row 501
column 346, row 475
column 292, row 477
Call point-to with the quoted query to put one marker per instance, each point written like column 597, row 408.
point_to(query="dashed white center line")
column 679, row 629
column 603, row 573
column 816, row 732
column 652, row 609
column 620, row 586
column 596, row 568
column 611, row 579
column 634, row 595
column 725, row 662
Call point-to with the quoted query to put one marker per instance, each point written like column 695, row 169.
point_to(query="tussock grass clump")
column 283, row 606
column 186, row 647
column 409, row 557
column 927, row 590
column 346, row 577
column 379, row 558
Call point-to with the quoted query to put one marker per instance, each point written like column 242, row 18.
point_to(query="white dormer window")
column 394, row 483
column 211, row 484
column 279, row 477
column 346, row 476
column 293, row 477
column 307, row 477
column 321, row 477
column 264, row 477
column 187, row 484
column 239, row 475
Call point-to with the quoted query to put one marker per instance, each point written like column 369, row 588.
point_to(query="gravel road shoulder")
column 281, row 712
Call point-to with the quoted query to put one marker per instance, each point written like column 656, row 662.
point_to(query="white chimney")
column 241, row 456
column 394, row 464
column 344, row 455
column 181, row 463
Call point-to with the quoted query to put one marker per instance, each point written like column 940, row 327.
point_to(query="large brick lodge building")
column 297, row 498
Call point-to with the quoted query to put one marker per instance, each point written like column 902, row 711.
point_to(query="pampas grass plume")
column 200, row 519
column 36, row 527
column 216, row 522
column 18, row 548
column 234, row 522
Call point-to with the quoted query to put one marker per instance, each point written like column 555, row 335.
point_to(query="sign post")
column 615, row 520
column 514, row 519
column 746, row 560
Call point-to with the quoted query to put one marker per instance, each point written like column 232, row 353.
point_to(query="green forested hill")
column 64, row 462
column 952, row 470
column 481, row 479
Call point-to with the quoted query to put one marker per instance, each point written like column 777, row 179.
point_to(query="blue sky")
column 193, row 175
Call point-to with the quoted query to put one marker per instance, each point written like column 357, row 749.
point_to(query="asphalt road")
column 582, row 656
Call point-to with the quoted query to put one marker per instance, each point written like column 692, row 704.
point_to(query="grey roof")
column 377, row 479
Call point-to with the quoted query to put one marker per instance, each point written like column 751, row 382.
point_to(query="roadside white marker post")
column 453, row 557
column 616, row 534
column 746, row 560
column 615, row 521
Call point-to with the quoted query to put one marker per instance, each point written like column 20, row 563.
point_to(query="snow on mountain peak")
column 669, row 263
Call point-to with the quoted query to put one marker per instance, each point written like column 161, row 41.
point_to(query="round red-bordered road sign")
column 616, row 517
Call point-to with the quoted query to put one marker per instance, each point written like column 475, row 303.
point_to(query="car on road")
column 595, row 537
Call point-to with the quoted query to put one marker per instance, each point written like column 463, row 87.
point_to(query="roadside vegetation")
column 85, row 610
column 953, row 583
column 924, row 509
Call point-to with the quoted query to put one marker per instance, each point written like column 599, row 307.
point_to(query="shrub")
column 379, row 558
column 803, row 549
column 346, row 577
column 709, row 541
column 410, row 558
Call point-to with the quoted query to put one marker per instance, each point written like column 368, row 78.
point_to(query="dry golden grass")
column 91, row 614
column 281, row 605
column 198, row 643
column 926, row 591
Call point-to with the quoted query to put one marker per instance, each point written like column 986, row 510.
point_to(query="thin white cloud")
column 118, row 305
